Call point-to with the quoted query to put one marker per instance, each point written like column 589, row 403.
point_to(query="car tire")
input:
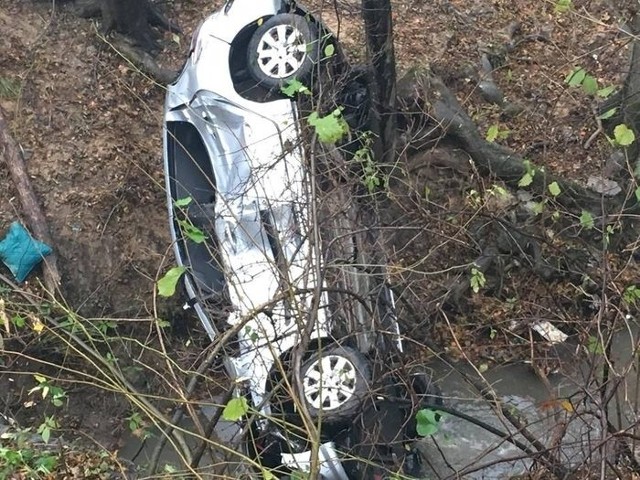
column 298, row 41
column 335, row 382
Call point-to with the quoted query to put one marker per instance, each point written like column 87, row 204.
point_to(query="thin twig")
column 598, row 131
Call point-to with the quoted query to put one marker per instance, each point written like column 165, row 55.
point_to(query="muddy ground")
column 90, row 127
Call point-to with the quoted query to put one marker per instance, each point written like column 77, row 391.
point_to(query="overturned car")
column 285, row 265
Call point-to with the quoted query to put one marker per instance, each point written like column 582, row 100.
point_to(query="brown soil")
column 90, row 124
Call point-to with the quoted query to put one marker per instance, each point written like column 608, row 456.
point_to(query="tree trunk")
column 630, row 95
column 379, row 34
column 131, row 18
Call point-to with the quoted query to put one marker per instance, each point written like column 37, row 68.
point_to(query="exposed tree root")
column 425, row 100
column 134, row 39
column 144, row 61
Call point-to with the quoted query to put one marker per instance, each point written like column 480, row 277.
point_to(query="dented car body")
column 237, row 174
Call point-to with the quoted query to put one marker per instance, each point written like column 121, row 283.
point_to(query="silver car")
column 266, row 259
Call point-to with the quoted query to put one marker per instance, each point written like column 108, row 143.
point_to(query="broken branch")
column 14, row 160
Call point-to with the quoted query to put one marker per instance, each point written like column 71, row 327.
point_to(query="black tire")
column 347, row 395
column 304, row 53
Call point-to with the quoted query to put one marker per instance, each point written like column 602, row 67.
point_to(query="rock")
column 490, row 92
column 549, row 332
column 524, row 196
column 606, row 187
column 614, row 163
column 512, row 109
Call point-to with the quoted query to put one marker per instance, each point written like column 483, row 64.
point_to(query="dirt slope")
column 91, row 126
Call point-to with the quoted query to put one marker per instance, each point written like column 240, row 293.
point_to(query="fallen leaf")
column 566, row 405
column 4, row 318
column 36, row 324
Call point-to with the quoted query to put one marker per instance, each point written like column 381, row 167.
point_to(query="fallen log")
column 12, row 155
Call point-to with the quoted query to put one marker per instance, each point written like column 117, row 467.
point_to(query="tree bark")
column 379, row 34
column 15, row 163
column 144, row 61
column 630, row 94
column 131, row 20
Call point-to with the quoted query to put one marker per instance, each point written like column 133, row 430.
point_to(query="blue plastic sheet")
column 20, row 252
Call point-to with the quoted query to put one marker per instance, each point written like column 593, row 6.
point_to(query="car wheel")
column 335, row 381
column 284, row 47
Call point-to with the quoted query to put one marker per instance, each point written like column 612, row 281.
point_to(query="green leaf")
column 45, row 464
column 503, row 134
column 162, row 323
column 623, row 135
column 594, row 346
column 477, row 280
column 608, row 114
column 192, row 232
column 267, row 475
column 20, row 321
column 293, row 87
column 638, row 194
column 586, row 220
column 167, row 284
column 235, row 409
column 427, row 429
column 45, row 428
column 526, row 180
column 498, row 191
column 575, row 78
column 331, row 128
column 432, row 416
column 590, row 85
column 329, row 50
column 538, row 207
column 183, row 202
column 492, row 133
column 495, row 133
column 428, row 421
column 554, row 189
column 563, row 6
column 606, row 91
column 135, row 420
column 631, row 294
